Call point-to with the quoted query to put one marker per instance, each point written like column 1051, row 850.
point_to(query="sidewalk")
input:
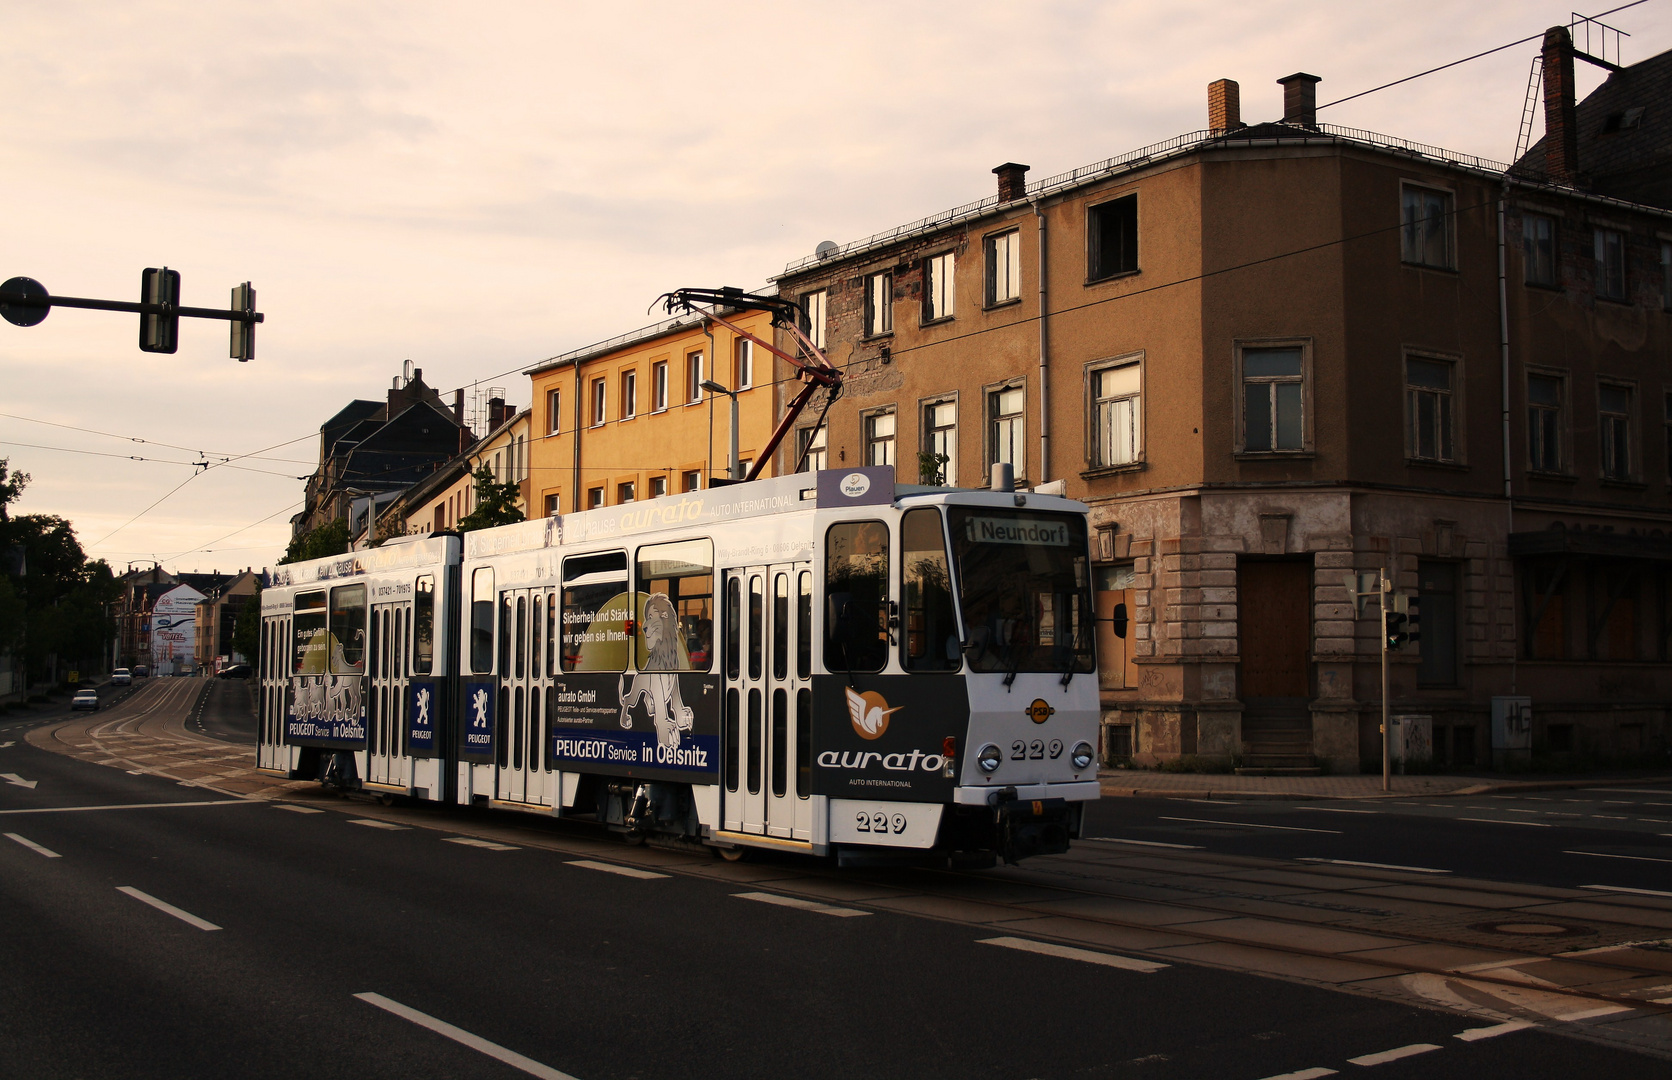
column 1147, row 784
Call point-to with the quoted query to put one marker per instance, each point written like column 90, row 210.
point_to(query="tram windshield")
column 1025, row 586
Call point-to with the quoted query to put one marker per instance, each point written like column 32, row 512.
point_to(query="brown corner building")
column 1269, row 355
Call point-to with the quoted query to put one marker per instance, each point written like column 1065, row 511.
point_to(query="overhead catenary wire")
column 149, row 460
column 145, row 441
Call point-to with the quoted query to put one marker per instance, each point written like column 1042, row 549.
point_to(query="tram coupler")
column 1029, row 827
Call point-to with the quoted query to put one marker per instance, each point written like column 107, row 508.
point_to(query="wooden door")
column 1274, row 605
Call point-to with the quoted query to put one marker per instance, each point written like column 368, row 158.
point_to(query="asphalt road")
column 1569, row 838
column 589, row 973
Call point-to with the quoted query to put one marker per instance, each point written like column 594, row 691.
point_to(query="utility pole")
column 732, row 471
column 1383, row 588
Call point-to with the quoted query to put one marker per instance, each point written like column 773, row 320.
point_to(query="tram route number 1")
column 879, row 822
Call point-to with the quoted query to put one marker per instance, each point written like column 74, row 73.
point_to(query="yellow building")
column 629, row 419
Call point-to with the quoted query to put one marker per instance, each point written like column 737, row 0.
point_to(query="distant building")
column 439, row 500
column 216, row 615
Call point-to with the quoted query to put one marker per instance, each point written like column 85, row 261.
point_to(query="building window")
column 1538, row 240
column 554, row 504
column 1666, row 275
column 1273, row 410
column 1669, row 436
column 813, row 305
column 810, row 447
column 629, row 394
column 693, row 377
column 879, row 303
column 879, row 438
column 658, row 486
column 691, row 480
column 1117, row 416
column 1426, row 232
column 1007, row 428
column 659, row 385
column 743, row 365
column 1004, row 267
column 1614, row 425
column 1611, row 264
column 940, row 441
column 595, row 498
column 554, row 411
column 938, row 287
column 598, row 394
column 1428, row 389
column 743, row 466
column 624, row 492
column 1544, row 423
column 1112, row 239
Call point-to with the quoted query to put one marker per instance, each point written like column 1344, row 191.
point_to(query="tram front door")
column 527, row 650
column 386, row 669
column 765, row 730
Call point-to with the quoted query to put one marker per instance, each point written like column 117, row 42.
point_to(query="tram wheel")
column 731, row 854
column 386, row 800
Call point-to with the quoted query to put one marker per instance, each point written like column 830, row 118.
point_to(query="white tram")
column 819, row 662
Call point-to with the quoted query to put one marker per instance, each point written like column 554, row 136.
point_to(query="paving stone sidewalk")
column 1142, row 782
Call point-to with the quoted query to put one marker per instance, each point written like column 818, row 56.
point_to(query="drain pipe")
column 1044, row 358
column 579, row 414
column 1503, row 390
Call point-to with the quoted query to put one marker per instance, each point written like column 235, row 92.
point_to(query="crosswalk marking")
column 471, row 841
column 803, row 905
column 1046, row 948
column 616, row 868
column 373, row 823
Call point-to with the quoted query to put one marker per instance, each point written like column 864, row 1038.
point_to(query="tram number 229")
column 879, row 822
column 1035, row 750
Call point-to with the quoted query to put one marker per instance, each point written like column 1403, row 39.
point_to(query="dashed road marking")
column 803, row 905
column 32, row 846
column 1335, row 810
column 465, row 1038
column 1604, row 855
column 471, row 841
column 1477, row 1034
column 616, row 868
column 128, row 806
column 1045, row 948
column 1379, row 866
column 1589, row 1014
column 164, row 906
column 1500, row 821
column 1144, row 843
column 293, row 808
column 1624, row 889
column 1393, row 1055
column 373, row 823
column 1251, row 825
column 1304, row 1074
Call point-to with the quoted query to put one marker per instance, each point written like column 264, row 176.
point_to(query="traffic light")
column 1401, row 625
column 243, row 330
column 1395, row 629
column 1413, row 604
column 159, row 331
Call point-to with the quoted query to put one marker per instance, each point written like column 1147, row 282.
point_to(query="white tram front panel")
column 356, row 667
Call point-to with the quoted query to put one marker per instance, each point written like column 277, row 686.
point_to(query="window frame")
column 1239, row 348
column 927, row 431
column 1012, row 236
column 1448, row 224
column 1634, row 455
column 879, row 321
column 600, row 401
column 743, row 364
column 629, row 390
column 1564, row 419
column 1459, row 441
column 940, row 289
column 659, row 386
column 816, row 320
column 804, row 457
column 1093, row 449
column 554, row 411
column 1665, row 274
column 1095, row 271
column 990, row 420
column 869, row 439
column 626, row 491
column 1554, row 280
column 1601, row 275
column 695, row 373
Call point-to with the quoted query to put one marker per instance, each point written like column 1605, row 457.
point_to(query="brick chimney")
column 1561, row 131
column 1300, row 99
column 496, row 412
column 1013, row 181
column 1224, row 105
column 458, row 406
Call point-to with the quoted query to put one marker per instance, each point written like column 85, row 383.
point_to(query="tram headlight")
column 989, row 758
column 1082, row 756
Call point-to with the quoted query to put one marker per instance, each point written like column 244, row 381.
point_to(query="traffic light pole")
column 25, row 302
column 1383, row 587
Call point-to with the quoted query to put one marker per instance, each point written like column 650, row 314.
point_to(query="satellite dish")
column 826, row 249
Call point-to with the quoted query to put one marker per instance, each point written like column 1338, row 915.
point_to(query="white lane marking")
column 802, row 905
column 1606, row 1010
column 164, row 906
column 1304, row 1074
column 3, row 745
column 1212, row 802
column 471, row 841
column 1628, row 791
column 1045, row 948
column 15, row 780
column 1251, row 825
column 1617, row 947
column 614, row 868
column 1393, row 1055
column 1379, row 865
column 1624, row 889
column 465, row 1038
column 1477, row 1034
column 1497, row 821
column 373, row 823
column 129, row 806
column 293, row 808
column 1334, row 810
column 1145, row 843
column 1604, row 855
column 32, row 846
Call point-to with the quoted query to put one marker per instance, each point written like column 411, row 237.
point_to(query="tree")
column 496, row 503
column 246, row 629
column 931, row 468
column 329, row 539
column 11, row 486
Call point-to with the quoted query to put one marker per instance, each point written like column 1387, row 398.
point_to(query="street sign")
column 159, row 331
column 22, row 314
column 75, row 677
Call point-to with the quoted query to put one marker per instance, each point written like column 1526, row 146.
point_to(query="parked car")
column 85, row 699
column 236, row 671
column 142, row 672
column 121, row 677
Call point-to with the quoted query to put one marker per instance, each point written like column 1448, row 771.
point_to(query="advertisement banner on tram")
column 653, row 725
column 421, row 705
column 478, row 724
column 326, row 710
column 885, row 737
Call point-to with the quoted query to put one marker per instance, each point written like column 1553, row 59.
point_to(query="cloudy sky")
column 476, row 188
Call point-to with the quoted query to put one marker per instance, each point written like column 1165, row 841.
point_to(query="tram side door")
column 386, row 698
column 767, row 696
column 522, row 656
column 275, row 692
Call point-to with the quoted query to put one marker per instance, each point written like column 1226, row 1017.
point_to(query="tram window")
column 734, row 628
column 551, row 710
column 754, row 741
column 804, row 625
column 930, row 641
column 731, row 735
column 780, row 736
column 376, row 641
column 308, row 627
column 551, row 634
column 676, row 620
column 522, row 637
column 535, row 626
column 534, row 729
column 517, row 724
column 348, row 630
column 502, row 743
column 597, row 606
column 423, row 626
column 856, row 592
column 505, row 631
column 481, row 619
column 803, row 742
column 756, row 616
column 781, row 626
